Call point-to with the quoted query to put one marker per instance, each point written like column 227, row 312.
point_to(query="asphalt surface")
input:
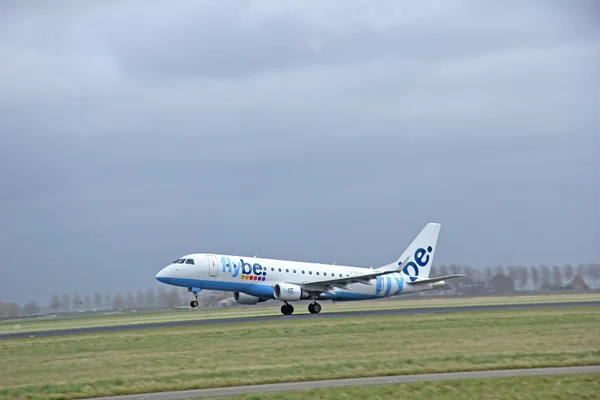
column 333, row 383
column 279, row 317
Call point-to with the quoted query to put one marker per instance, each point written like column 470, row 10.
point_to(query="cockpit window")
column 183, row 261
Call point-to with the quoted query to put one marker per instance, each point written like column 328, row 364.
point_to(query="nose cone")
column 163, row 274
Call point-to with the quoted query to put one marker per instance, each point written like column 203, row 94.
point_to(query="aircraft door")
column 213, row 266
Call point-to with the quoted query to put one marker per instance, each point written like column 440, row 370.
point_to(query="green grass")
column 90, row 320
column 69, row 367
column 580, row 387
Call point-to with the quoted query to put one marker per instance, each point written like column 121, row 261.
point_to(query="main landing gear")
column 314, row 308
column 287, row 309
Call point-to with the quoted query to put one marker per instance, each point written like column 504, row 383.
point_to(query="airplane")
column 254, row 280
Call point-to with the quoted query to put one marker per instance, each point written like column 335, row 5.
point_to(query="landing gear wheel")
column 314, row 308
column 287, row 309
column 194, row 303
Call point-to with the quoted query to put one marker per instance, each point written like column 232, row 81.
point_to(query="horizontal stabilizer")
column 436, row 279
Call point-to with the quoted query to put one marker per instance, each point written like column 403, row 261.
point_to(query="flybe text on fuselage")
column 246, row 271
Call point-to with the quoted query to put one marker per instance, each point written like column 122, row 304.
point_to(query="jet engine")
column 243, row 298
column 289, row 292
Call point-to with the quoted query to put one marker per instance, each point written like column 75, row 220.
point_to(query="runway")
column 278, row 317
column 378, row 380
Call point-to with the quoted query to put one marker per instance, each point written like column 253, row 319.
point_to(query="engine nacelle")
column 289, row 292
column 243, row 298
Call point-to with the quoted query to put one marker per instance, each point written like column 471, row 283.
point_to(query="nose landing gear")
column 194, row 303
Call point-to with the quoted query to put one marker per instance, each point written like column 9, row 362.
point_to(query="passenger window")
column 272, row 269
column 310, row 272
column 302, row 271
column 340, row 275
column 279, row 269
column 294, row 271
column 189, row 261
column 287, row 270
column 317, row 273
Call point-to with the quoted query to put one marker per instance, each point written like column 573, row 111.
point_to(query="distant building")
column 226, row 302
column 578, row 284
column 466, row 285
column 501, row 284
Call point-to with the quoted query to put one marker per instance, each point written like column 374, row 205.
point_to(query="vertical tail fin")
column 417, row 258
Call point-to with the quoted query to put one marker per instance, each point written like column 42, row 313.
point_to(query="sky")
column 135, row 132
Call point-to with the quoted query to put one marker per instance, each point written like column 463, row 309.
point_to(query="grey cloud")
column 291, row 40
column 222, row 40
column 133, row 135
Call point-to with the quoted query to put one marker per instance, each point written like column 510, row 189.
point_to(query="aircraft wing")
column 328, row 285
column 342, row 283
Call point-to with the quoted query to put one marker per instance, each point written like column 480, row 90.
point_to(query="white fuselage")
column 258, row 276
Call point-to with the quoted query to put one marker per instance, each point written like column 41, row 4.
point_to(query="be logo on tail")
column 412, row 269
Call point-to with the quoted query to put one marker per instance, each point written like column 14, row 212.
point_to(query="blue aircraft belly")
column 254, row 289
column 259, row 290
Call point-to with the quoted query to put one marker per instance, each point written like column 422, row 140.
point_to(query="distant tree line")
column 162, row 298
column 522, row 278
column 525, row 278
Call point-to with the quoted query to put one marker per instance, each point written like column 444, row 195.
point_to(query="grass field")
column 580, row 387
column 89, row 319
column 236, row 354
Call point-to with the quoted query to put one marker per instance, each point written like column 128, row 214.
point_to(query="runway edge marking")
column 334, row 314
column 369, row 381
